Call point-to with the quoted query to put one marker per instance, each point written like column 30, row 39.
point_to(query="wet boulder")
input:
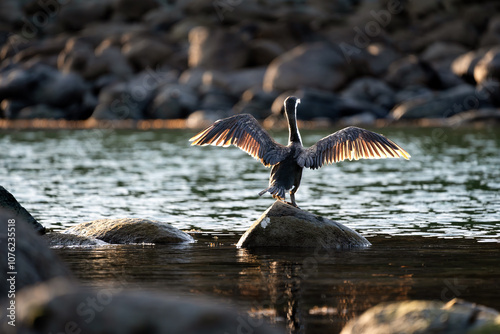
column 418, row 316
column 283, row 225
column 56, row 239
column 62, row 307
column 130, row 231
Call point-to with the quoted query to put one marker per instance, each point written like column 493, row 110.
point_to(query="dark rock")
column 192, row 77
column 283, row 225
column 362, row 119
column 489, row 90
column 237, row 81
column 9, row 206
column 379, row 57
column 456, row 31
column 418, row 316
column 131, row 99
column 74, row 15
column 134, row 10
column 217, row 99
column 217, row 49
column 410, row 71
column 444, row 104
column 34, row 261
column 413, row 92
column 173, row 101
column 488, row 67
column 113, row 60
column 263, row 51
column 62, row 307
column 370, row 90
column 255, row 102
column 11, row 108
column 146, row 52
column 130, row 230
column 309, row 65
column 463, row 66
column 55, row 239
column 442, row 54
column 492, row 35
column 41, row 111
column 78, row 56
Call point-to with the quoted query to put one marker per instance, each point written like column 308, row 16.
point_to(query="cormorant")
column 288, row 161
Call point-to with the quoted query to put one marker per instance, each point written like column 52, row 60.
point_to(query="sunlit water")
column 449, row 188
column 433, row 221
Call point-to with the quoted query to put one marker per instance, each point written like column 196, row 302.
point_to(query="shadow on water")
column 304, row 291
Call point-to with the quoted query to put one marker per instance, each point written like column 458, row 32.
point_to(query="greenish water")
column 433, row 221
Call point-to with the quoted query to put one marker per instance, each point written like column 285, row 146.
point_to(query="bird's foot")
column 292, row 204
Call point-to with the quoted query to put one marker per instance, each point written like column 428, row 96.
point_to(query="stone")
column 492, row 35
column 217, row 49
column 487, row 116
column 316, row 65
column 10, row 206
column 235, row 82
column 41, row 111
column 146, row 52
column 34, row 261
column 134, row 10
column 172, row 102
column 113, row 60
column 217, row 99
column 130, row 231
column 419, row 316
column 255, row 102
column 410, row 71
column 370, row 90
column 455, row 31
column 379, row 57
column 56, row 239
column 413, row 92
column 488, row 67
column 263, row 51
column 463, row 66
column 75, row 15
column 283, row 225
column 60, row 306
column 442, row 53
column 444, row 104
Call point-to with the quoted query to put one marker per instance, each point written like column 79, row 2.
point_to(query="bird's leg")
column 292, row 198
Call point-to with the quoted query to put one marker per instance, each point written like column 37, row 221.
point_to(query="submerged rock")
column 130, row 231
column 418, row 316
column 11, row 209
column 56, row 239
column 61, row 307
column 283, row 225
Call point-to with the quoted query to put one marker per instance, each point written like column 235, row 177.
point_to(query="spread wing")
column 246, row 133
column 350, row 143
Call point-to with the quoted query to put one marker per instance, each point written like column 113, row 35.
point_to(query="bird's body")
column 288, row 161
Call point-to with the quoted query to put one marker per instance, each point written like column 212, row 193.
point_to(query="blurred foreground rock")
column 11, row 209
column 283, row 225
column 62, row 307
column 34, row 262
column 130, row 231
column 416, row 317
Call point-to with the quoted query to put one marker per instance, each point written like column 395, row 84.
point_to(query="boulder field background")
column 351, row 60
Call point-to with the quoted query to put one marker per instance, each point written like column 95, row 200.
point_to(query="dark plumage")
column 288, row 161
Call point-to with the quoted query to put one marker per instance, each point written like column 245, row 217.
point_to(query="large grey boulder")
column 56, row 239
column 130, row 231
column 283, row 225
column 419, row 316
column 11, row 209
column 61, row 307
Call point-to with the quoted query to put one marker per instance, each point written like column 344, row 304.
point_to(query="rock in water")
column 423, row 316
column 283, row 225
column 11, row 208
column 130, row 231
column 61, row 307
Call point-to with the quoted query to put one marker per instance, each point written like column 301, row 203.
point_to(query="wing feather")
column 245, row 132
column 350, row 143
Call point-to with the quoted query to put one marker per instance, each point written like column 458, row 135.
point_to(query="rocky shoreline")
column 353, row 62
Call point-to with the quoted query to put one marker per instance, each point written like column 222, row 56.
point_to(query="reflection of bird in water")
column 288, row 161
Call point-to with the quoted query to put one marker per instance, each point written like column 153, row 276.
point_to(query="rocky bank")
column 356, row 61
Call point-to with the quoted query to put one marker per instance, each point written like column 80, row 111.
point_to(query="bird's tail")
column 278, row 193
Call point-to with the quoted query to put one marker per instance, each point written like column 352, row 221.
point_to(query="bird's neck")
column 294, row 135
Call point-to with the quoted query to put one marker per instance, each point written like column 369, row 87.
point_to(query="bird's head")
column 291, row 104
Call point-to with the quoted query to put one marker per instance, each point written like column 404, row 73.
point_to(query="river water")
column 434, row 221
